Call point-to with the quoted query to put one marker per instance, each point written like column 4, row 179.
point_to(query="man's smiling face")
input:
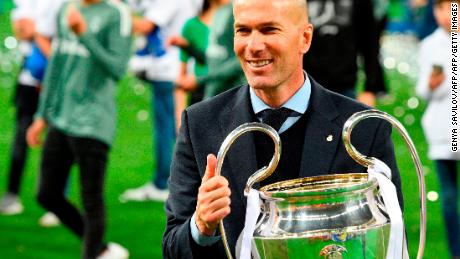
column 270, row 38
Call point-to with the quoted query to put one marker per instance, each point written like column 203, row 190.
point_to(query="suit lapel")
column 322, row 135
column 241, row 158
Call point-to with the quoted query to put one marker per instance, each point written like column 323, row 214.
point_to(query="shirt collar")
column 298, row 102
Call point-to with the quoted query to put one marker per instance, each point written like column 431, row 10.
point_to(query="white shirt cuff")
column 199, row 238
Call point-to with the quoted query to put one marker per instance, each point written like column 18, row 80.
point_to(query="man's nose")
column 255, row 43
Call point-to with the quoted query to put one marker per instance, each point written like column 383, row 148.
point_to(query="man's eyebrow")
column 238, row 25
column 268, row 24
column 261, row 25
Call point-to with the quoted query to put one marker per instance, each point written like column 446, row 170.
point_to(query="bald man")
column 270, row 39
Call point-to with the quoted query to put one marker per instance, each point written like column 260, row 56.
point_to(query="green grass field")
column 139, row 226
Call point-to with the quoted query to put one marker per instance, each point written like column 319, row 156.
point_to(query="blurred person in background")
column 224, row 69
column 422, row 13
column 434, row 86
column 90, row 53
column 25, row 100
column 159, row 65
column 193, row 42
column 344, row 30
column 30, row 20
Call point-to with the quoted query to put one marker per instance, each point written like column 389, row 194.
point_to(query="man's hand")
column 34, row 132
column 44, row 44
column 213, row 199
column 76, row 21
column 142, row 26
column 186, row 82
column 436, row 79
column 368, row 98
column 24, row 29
column 177, row 41
column 418, row 3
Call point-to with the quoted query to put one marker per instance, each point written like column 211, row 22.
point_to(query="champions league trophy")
column 329, row 216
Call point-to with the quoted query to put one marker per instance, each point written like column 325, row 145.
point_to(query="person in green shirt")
column 193, row 42
column 90, row 53
column 224, row 69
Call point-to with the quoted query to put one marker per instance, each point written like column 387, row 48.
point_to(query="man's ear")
column 307, row 35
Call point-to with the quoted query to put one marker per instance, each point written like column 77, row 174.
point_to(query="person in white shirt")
column 434, row 86
column 46, row 24
column 34, row 25
column 25, row 100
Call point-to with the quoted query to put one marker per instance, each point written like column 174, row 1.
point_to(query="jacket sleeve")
column 45, row 91
column 113, row 55
column 52, row 69
column 383, row 149
column 184, row 182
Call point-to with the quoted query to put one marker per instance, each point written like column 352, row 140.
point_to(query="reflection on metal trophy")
column 328, row 216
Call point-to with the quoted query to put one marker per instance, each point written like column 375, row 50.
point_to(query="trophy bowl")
column 329, row 216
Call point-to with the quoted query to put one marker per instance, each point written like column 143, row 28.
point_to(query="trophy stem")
column 258, row 176
column 369, row 161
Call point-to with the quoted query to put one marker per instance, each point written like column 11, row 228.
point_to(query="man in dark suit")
column 270, row 39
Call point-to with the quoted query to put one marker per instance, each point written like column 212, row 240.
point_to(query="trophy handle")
column 258, row 176
column 368, row 161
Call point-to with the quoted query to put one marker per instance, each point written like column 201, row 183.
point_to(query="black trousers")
column 59, row 153
column 26, row 101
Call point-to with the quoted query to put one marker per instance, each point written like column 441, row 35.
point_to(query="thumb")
column 211, row 162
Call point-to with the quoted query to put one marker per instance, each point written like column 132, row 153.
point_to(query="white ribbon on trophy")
column 397, row 247
column 252, row 214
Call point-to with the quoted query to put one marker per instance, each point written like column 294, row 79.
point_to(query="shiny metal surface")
column 367, row 161
column 322, row 217
column 365, row 244
column 258, row 176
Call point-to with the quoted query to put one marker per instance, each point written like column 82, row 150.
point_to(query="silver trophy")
column 329, row 216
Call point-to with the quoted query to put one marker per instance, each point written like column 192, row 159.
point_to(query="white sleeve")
column 422, row 89
column 47, row 17
column 161, row 13
column 23, row 9
column 197, row 5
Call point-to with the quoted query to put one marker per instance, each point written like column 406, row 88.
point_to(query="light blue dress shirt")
column 299, row 103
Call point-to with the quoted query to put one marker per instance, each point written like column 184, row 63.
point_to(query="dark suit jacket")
column 206, row 124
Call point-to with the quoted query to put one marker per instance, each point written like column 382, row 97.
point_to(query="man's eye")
column 242, row 30
column 269, row 29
